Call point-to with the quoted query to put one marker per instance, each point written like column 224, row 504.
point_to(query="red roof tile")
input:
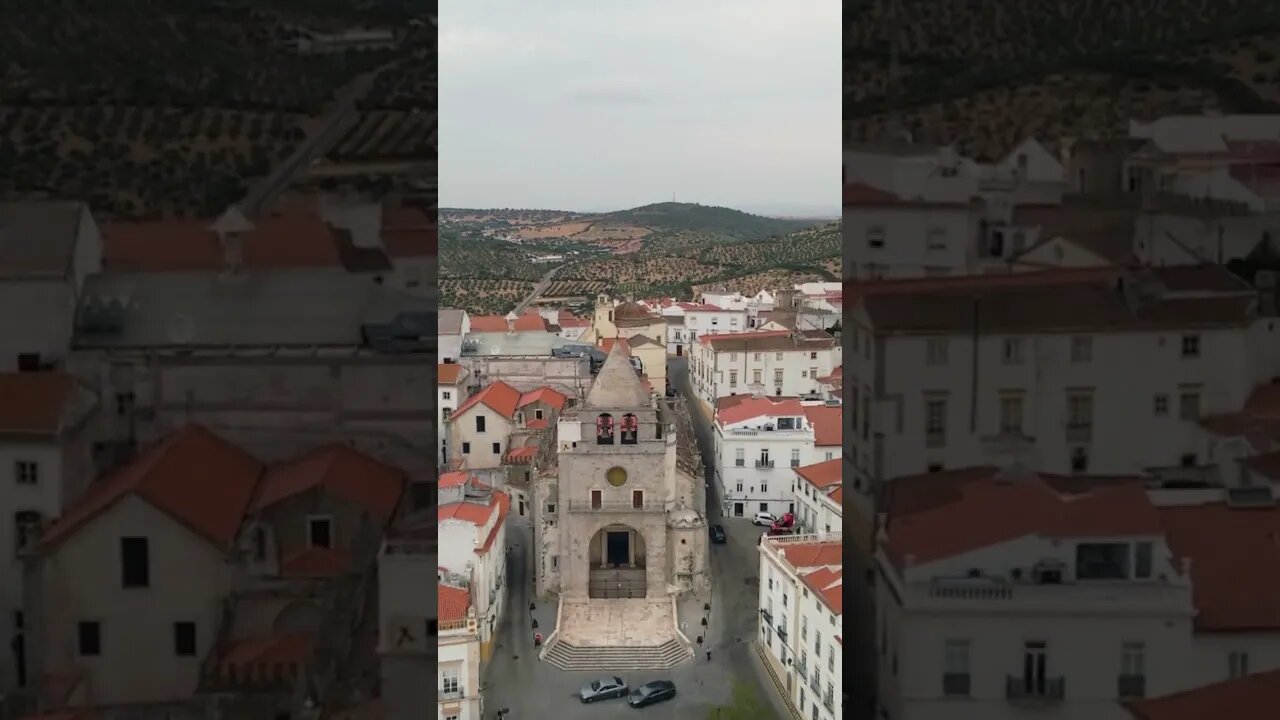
column 1235, row 563
column 521, row 456
column 754, row 407
column 985, row 512
column 194, row 476
column 502, row 505
column 828, row 584
column 34, row 402
column 316, row 562
column 566, row 319
column 712, row 338
column 498, row 397
column 348, row 475
column 530, row 321
column 1252, row 697
column 292, row 239
column 545, row 395
column 828, row 425
column 454, row 479
column 823, row 475
column 607, row 344
column 448, row 373
column 811, row 554
column 700, row 307
column 479, row 515
column 452, row 603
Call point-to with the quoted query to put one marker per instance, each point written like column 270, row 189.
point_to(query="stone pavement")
column 616, row 623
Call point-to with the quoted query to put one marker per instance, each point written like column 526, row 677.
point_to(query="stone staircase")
column 575, row 657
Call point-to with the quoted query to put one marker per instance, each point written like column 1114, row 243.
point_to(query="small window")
column 1189, row 405
column 1160, row 405
column 537, row 413
column 26, row 472
column 497, row 448
column 446, row 394
column 936, row 351
column 637, row 499
column 597, row 499
column 320, row 532
column 551, row 508
column 89, row 637
column 184, row 639
column 1237, row 664
column 1190, row 346
column 1081, row 349
column 466, row 448
column 479, row 423
column 875, row 236
column 135, row 562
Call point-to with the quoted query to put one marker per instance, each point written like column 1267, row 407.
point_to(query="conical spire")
column 617, row 385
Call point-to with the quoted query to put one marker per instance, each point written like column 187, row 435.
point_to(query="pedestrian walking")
column 708, row 654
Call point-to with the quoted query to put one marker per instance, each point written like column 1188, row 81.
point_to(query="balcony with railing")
column 1142, row 596
column 1035, row 690
column 802, row 669
column 764, row 463
column 1131, row 686
column 829, row 700
column 451, row 696
column 815, row 684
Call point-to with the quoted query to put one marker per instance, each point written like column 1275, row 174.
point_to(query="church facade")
column 619, row 512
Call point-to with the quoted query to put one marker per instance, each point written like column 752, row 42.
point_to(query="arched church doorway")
column 617, row 563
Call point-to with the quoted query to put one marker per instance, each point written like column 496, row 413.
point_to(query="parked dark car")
column 717, row 534
column 650, row 693
column 603, row 689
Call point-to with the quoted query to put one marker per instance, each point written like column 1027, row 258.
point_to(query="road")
column 515, row 679
column 537, row 290
column 338, row 120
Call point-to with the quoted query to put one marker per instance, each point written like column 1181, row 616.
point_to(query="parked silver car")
column 603, row 689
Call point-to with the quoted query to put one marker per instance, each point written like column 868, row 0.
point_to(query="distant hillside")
column 706, row 218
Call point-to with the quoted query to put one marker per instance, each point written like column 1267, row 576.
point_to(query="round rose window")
column 617, row 476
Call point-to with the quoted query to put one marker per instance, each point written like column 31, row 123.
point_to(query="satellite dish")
column 182, row 330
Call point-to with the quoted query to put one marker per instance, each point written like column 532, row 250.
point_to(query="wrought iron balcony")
column 764, row 463
column 1046, row 690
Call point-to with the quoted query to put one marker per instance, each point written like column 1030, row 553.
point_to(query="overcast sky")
column 596, row 105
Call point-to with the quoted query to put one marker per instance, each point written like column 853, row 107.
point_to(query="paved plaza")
column 617, row 623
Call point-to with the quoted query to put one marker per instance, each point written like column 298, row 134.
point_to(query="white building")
column 452, row 326
column 758, row 442
column 999, row 595
column 458, row 663
column 451, row 391
column 1090, row 371
column 779, row 362
column 1007, row 594
column 801, row 621
column 473, row 546
column 46, row 462
column 819, row 497
column 819, row 311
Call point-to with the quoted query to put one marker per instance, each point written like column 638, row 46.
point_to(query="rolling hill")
column 723, row 221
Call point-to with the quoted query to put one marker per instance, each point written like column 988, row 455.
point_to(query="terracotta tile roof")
column 633, row 311
column 315, row 562
column 827, row 583
column 530, row 321
column 479, row 515
column 498, row 397
column 700, row 307
column 452, row 603
column 811, row 554
column 341, row 471
column 194, row 476
column 978, row 513
column 1258, row 421
column 454, row 479
column 828, row 425
column 502, row 505
column 1252, row 697
column 290, row 239
column 545, row 395
column 34, row 403
column 754, row 407
column 266, row 652
column 536, row 424
column 857, row 194
column 1235, row 564
column 566, row 319
column 1056, row 302
column 825, row 475
column 766, row 341
column 521, row 456
column 448, row 373
column 607, row 344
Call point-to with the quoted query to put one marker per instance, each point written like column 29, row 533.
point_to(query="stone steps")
column 567, row 656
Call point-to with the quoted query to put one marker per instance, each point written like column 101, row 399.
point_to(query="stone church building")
column 620, row 524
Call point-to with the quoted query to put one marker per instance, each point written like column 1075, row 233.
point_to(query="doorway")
column 679, row 350
column 618, row 548
column 1034, row 660
column 737, row 509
